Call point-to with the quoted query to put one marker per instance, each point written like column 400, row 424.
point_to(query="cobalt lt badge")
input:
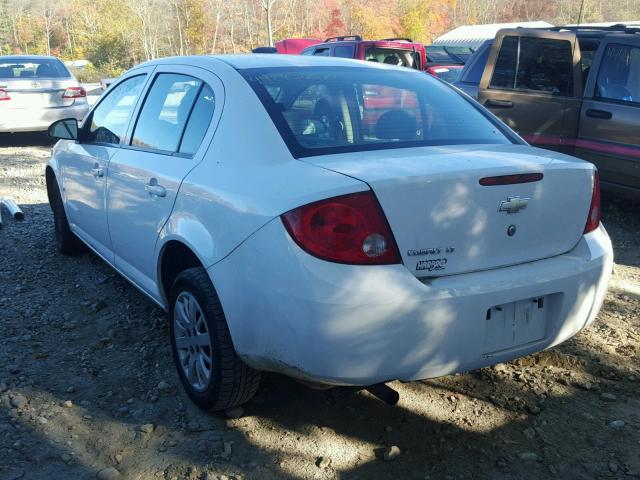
column 513, row 204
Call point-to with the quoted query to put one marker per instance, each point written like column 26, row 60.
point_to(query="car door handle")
column 599, row 114
column 499, row 103
column 155, row 189
column 97, row 171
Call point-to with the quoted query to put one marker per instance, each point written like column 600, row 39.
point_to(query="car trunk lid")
column 33, row 93
column 446, row 222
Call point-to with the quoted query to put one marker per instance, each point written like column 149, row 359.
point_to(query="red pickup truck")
column 402, row 52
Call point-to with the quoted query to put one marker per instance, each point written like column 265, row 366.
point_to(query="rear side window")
column 25, row 67
column 165, row 112
column 321, row 52
column 199, row 121
column 343, row 52
column 109, row 120
column 537, row 64
column 619, row 74
column 340, row 109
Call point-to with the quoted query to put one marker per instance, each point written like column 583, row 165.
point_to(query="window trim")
column 298, row 151
column 613, row 101
column 87, row 120
column 170, row 153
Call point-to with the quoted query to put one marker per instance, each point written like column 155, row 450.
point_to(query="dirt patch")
column 88, row 388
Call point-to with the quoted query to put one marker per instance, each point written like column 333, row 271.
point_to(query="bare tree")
column 267, row 6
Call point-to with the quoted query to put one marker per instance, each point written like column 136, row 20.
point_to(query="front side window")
column 109, row 120
column 538, row 64
column 331, row 110
column 26, row 67
column 343, row 52
column 619, row 75
column 321, row 52
column 165, row 112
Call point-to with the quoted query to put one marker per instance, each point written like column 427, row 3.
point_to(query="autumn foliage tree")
column 116, row 34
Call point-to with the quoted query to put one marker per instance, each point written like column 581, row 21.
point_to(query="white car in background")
column 339, row 222
column 35, row 91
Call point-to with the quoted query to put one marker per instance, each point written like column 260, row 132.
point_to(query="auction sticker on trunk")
column 432, row 264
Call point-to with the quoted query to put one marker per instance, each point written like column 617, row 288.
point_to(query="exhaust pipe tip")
column 13, row 208
column 384, row 392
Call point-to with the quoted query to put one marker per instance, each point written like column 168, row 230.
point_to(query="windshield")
column 326, row 110
column 17, row 67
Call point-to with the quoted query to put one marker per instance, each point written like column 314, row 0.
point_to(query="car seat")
column 397, row 125
column 6, row 72
column 46, row 70
column 615, row 92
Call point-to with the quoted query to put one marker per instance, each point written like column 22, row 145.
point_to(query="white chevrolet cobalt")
column 339, row 222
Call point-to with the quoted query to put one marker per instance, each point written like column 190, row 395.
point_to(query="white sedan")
column 35, row 91
column 341, row 222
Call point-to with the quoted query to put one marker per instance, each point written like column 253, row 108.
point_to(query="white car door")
column 173, row 129
column 84, row 164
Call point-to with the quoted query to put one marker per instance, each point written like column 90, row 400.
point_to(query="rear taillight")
column 74, row 92
column 4, row 95
column 347, row 229
column 593, row 220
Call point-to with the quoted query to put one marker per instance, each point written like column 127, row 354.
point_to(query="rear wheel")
column 67, row 242
column 211, row 372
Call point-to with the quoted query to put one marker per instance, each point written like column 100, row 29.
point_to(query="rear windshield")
column 392, row 56
column 17, row 67
column 325, row 110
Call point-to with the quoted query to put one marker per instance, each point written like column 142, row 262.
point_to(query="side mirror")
column 65, row 129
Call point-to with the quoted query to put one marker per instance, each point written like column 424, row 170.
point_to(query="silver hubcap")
column 192, row 341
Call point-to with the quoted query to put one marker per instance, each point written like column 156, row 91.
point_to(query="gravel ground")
column 88, row 388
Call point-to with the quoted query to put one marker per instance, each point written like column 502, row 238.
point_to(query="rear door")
column 610, row 116
column 533, row 83
column 170, row 135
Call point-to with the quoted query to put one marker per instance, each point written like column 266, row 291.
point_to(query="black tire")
column 232, row 382
column 67, row 243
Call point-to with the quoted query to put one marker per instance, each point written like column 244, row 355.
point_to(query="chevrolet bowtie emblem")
column 513, row 204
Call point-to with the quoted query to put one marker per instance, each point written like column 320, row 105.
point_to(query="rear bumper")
column 38, row 119
column 337, row 324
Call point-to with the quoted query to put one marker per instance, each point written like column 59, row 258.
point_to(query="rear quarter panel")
column 247, row 178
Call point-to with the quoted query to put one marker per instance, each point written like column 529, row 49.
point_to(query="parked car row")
column 571, row 89
column 441, row 62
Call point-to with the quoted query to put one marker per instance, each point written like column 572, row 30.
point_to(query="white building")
column 473, row 36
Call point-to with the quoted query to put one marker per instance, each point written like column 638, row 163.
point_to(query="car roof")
column 27, row 57
column 268, row 60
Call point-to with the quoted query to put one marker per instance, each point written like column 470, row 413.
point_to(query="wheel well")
column 50, row 178
column 176, row 257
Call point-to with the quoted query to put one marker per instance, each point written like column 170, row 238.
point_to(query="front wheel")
column 211, row 372
column 67, row 243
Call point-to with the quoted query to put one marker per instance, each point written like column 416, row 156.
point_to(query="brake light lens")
column 74, row 92
column 4, row 95
column 349, row 229
column 593, row 220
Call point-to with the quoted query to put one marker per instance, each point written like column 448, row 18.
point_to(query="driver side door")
column 85, row 163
